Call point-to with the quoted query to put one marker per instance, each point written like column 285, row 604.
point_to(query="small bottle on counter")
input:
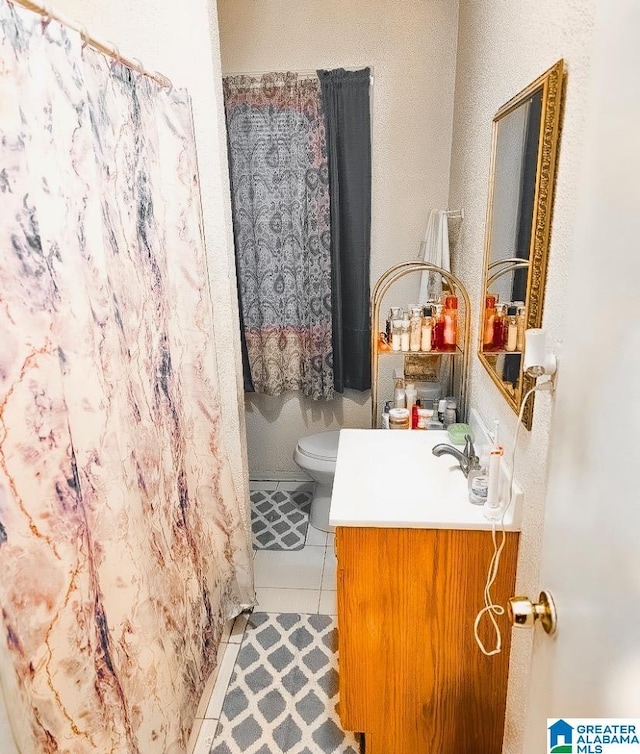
column 405, row 334
column 489, row 317
column 411, row 394
column 450, row 411
column 415, row 328
column 425, row 332
column 450, row 314
column 511, row 340
column 435, row 422
column 399, row 418
column 437, row 331
column 521, row 320
column 424, row 416
column 388, row 405
column 414, row 416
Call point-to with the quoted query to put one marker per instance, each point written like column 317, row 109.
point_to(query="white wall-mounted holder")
column 537, row 360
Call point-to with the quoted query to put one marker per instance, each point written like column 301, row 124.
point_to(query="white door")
column 591, row 552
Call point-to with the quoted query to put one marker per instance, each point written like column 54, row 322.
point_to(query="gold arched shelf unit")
column 461, row 354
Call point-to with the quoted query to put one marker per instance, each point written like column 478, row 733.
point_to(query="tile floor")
column 299, row 581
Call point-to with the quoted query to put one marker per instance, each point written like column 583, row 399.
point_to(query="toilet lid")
column 323, row 445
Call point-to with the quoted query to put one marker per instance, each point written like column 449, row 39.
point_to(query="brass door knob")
column 523, row 613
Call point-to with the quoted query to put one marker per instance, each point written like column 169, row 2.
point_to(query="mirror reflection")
column 525, row 141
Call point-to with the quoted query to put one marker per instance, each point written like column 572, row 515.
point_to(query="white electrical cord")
column 490, row 608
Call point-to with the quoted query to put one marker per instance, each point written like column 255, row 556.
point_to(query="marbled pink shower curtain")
column 123, row 547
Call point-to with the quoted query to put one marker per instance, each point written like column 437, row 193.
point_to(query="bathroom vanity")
column 413, row 555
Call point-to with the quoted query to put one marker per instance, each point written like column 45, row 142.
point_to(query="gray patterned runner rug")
column 279, row 519
column 284, row 689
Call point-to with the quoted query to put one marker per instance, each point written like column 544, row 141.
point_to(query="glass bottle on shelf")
column 511, row 327
column 450, row 322
column 437, row 331
column 521, row 325
column 384, row 343
column 396, row 335
column 498, row 328
column 427, row 325
column 389, row 326
column 405, row 334
column 489, row 318
column 415, row 328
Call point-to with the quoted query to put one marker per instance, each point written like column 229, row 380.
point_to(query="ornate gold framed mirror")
column 526, row 135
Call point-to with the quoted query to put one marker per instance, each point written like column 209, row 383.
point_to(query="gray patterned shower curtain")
column 123, row 547
column 280, row 197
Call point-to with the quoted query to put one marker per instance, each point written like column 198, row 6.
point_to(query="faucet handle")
column 470, row 452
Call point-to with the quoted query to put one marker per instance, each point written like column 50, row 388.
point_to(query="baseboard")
column 280, row 476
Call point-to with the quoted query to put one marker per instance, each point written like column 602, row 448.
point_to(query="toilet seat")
column 323, row 446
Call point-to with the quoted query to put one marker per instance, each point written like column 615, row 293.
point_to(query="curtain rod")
column 308, row 74
column 106, row 48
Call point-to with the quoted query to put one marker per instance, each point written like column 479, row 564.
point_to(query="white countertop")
column 390, row 478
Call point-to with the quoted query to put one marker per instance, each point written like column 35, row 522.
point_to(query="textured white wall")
column 502, row 46
column 182, row 43
column 411, row 47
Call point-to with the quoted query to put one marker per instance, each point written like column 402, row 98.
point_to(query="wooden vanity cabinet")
column 412, row 677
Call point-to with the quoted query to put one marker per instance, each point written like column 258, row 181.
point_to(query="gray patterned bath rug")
column 279, row 519
column 284, row 689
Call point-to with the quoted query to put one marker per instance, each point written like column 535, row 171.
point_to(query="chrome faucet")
column 467, row 458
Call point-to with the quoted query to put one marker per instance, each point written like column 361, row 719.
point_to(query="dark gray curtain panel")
column 281, row 222
column 346, row 106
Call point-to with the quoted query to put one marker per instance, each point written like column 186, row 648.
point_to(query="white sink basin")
column 390, row 478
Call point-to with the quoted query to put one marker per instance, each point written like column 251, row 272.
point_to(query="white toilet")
column 316, row 455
